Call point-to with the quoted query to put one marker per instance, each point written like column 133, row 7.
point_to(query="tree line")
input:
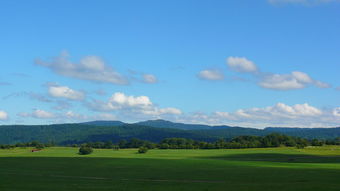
column 239, row 142
column 35, row 144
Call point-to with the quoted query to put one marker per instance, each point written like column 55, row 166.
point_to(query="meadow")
column 279, row 169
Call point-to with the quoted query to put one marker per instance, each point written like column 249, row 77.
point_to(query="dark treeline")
column 239, row 142
column 271, row 140
column 35, row 144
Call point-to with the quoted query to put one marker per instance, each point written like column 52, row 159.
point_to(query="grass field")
column 274, row 169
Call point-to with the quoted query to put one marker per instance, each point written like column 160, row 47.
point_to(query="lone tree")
column 84, row 150
column 142, row 150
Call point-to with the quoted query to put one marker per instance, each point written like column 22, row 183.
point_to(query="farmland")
column 61, row 168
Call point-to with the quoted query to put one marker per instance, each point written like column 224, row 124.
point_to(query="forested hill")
column 78, row 133
column 309, row 133
column 116, row 130
column 104, row 123
column 159, row 123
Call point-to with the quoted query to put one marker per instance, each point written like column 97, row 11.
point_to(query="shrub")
column 142, row 150
column 84, row 150
column 300, row 146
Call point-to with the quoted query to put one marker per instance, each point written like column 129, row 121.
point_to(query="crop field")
column 60, row 168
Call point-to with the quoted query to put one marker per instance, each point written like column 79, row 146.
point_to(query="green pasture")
column 274, row 169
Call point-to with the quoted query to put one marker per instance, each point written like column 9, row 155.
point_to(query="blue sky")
column 253, row 63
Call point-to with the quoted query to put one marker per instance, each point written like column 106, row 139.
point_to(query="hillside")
column 103, row 123
column 78, row 133
column 155, row 131
column 309, row 133
column 159, row 123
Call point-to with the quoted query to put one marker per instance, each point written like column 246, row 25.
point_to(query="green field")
column 274, row 169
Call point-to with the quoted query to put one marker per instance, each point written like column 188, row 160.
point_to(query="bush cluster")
column 85, row 150
column 143, row 150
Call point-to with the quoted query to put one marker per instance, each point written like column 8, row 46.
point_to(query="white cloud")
column 302, row 77
column 3, row 115
column 279, row 115
column 303, row 115
column 336, row 112
column 149, row 78
column 72, row 115
column 170, row 110
column 295, row 80
column 90, row 68
column 42, row 114
column 65, row 92
column 120, row 100
column 39, row 114
column 296, row 110
column 241, row 64
column 211, row 75
column 281, row 82
column 132, row 106
column 321, row 84
column 162, row 111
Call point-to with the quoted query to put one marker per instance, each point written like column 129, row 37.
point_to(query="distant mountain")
column 80, row 133
column 153, row 130
column 104, row 123
column 160, row 123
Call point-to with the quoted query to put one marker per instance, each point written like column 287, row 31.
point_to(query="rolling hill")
column 153, row 130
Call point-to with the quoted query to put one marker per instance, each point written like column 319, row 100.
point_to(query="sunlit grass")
column 61, row 168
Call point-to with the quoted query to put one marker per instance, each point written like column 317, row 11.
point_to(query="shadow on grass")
column 277, row 157
column 142, row 174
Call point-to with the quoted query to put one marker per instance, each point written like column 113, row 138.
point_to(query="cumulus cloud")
column 65, row 92
column 241, row 64
column 161, row 111
column 91, row 68
column 336, row 112
column 278, row 111
column 294, row 80
column 210, row 75
column 3, row 115
column 120, row 100
column 279, row 115
column 42, row 114
column 149, row 78
column 73, row 116
column 135, row 106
